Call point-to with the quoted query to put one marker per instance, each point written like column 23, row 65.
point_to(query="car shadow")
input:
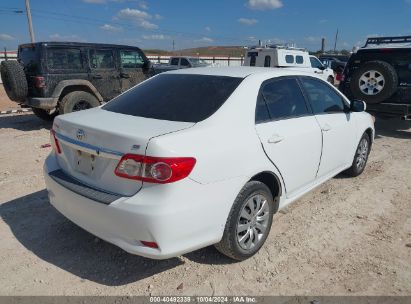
column 392, row 127
column 23, row 122
column 49, row 235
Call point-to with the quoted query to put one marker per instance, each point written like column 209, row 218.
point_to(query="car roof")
column 243, row 71
column 78, row 44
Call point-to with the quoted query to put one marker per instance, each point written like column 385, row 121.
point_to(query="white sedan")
column 201, row 157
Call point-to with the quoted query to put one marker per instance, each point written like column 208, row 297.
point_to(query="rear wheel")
column 248, row 223
column 374, row 82
column 361, row 156
column 77, row 101
column 46, row 115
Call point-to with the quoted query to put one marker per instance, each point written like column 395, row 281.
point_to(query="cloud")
column 111, row 28
column 208, row 29
column 147, row 25
column 247, row 21
column 58, row 37
column 205, row 40
column 156, row 37
column 158, row 17
column 140, row 18
column 6, row 37
column 129, row 13
column 264, row 4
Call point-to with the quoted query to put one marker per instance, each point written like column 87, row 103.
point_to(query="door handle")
column 275, row 139
column 326, row 127
column 97, row 76
column 124, row 75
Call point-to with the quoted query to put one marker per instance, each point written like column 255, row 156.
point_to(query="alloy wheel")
column 371, row 82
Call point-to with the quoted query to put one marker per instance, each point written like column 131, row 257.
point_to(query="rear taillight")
column 54, row 141
column 149, row 244
column 39, row 82
column 159, row 170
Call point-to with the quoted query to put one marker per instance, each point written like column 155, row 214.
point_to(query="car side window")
column 64, row 59
column 253, row 60
column 289, row 58
column 101, row 59
column 184, row 62
column 174, row 61
column 323, row 98
column 131, row 59
column 280, row 99
column 299, row 59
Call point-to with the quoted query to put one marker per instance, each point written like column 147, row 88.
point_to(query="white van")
column 278, row 56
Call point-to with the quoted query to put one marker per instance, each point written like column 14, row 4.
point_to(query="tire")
column 44, row 114
column 251, row 194
column 374, row 82
column 361, row 156
column 14, row 80
column 330, row 79
column 77, row 101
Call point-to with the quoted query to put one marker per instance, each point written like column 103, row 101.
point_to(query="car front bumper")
column 179, row 217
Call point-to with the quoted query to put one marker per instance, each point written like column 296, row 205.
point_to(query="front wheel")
column 361, row 156
column 248, row 223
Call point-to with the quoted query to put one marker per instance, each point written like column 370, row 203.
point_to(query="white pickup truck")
column 180, row 62
column 278, row 56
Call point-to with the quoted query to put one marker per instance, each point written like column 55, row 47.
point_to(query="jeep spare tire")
column 374, row 82
column 77, row 101
column 14, row 80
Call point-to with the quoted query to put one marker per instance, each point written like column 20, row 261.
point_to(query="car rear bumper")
column 42, row 103
column 179, row 218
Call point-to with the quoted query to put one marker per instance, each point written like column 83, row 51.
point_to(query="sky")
column 155, row 24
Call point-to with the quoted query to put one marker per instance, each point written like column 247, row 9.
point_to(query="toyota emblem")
column 81, row 134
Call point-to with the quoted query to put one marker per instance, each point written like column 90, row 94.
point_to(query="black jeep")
column 61, row 77
column 380, row 71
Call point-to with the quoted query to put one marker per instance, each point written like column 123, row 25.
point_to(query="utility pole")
column 30, row 21
column 173, row 45
column 335, row 43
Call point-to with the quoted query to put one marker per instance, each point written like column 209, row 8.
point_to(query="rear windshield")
column 186, row 98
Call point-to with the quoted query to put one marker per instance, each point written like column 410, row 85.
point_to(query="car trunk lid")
column 92, row 143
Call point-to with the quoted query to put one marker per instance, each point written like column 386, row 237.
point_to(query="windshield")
column 198, row 61
column 176, row 97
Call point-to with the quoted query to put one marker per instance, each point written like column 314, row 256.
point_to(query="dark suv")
column 380, row 71
column 62, row 77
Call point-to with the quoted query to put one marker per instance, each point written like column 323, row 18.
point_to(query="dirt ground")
column 351, row 236
column 5, row 102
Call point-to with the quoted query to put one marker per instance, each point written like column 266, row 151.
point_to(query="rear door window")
column 101, row 59
column 64, row 59
column 174, row 61
column 280, row 99
column 174, row 97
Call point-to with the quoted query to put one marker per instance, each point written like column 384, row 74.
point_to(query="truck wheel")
column 44, row 114
column 248, row 223
column 14, row 80
column 374, row 82
column 77, row 101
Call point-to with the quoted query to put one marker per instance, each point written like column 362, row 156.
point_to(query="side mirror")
column 147, row 65
column 358, row 106
column 322, row 68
